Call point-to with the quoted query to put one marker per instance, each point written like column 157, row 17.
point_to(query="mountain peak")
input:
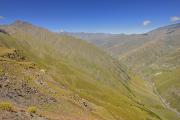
column 21, row 22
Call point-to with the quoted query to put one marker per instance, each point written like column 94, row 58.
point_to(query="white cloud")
column 61, row 30
column 2, row 17
column 175, row 18
column 146, row 22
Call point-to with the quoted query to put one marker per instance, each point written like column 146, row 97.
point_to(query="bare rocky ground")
column 16, row 88
column 19, row 115
column 22, row 84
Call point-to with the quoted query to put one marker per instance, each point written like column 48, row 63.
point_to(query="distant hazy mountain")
column 116, row 44
column 137, row 50
column 44, row 75
column 120, row 44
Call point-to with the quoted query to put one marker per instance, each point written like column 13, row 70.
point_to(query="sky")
column 102, row 16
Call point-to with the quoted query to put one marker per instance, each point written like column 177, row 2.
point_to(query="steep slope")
column 70, row 79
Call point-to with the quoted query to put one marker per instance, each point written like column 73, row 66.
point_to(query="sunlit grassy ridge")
column 85, row 81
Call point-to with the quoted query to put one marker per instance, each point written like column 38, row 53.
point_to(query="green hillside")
column 67, row 78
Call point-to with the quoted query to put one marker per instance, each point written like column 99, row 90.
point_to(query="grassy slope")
column 87, row 72
column 28, row 74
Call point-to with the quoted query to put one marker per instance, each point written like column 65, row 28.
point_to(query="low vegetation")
column 32, row 109
column 6, row 106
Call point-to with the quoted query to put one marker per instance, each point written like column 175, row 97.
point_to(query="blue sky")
column 109, row 16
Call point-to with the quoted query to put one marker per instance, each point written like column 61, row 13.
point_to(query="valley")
column 153, row 55
column 89, row 60
column 45, row 75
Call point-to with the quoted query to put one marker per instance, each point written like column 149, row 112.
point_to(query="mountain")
column 44, row 75
column 163, row 41
column 153, row 55
column 121, row 44
column 115, row 44
column 159, row 60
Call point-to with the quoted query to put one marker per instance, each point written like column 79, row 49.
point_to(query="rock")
column 42, row 70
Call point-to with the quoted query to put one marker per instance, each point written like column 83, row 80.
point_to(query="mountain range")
column 86, row 76
column 150, row 55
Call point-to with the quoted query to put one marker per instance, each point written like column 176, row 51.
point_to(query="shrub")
column 1, row 70
column 6, row 106
column 32, row 109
